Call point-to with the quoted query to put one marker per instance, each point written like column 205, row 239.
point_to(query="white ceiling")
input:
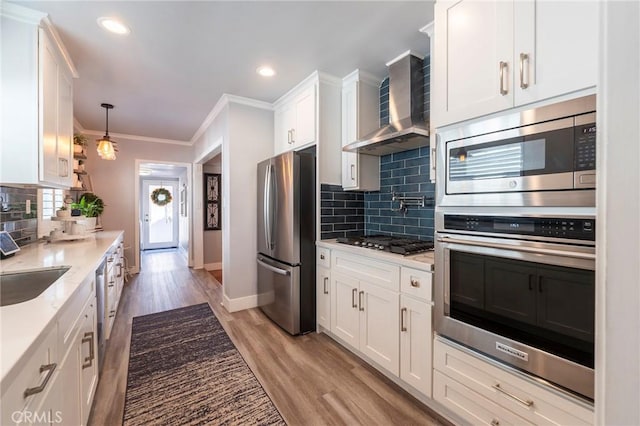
column 181, row 56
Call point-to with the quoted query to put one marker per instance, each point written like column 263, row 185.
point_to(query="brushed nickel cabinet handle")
column 88, row 338
column 523, row 58
column 119, row 265
column 322, row 257
column 353, row 170
column 361, row 308
column 495, row 422
column 503, row 89
column 293, row 136
column 112, row 314
column 526, row 403
column 415, row 283
column 326, row 288
column 32, row 391
column 353, row 298
column 403, row 327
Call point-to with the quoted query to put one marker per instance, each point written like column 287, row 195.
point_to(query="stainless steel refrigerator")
column 286, row 241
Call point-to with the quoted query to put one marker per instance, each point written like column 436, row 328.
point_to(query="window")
column 52, row 200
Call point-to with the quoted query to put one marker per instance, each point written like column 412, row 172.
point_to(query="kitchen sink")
column 20, row 286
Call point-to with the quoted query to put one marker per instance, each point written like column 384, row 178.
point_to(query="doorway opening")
column 163, row 198
column 160, row 221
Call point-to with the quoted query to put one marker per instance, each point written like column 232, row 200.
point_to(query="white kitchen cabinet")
column 87, row 346
column 360, row 106
column 37, row 101
column 494, row 55
column 483, row 392
column 416, row 343
column 295, row 121
column 323, row 297
column 365, row 316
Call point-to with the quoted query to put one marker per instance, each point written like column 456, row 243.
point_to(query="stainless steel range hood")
column 407, row 128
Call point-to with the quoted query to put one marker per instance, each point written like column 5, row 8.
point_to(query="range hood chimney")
column 407, row 128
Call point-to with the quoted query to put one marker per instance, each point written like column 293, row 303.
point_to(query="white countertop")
column 423, row 261
column 21, row 324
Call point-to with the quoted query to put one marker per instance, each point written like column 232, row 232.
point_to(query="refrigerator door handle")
column 273, row 268
column 266, row 206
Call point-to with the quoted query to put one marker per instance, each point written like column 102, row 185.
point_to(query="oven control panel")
column 554, row 227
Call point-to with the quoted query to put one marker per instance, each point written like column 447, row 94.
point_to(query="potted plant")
column 79, row 143
column 63, row 211
column 91, row 206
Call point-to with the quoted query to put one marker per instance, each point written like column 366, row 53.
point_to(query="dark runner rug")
column 185, row 370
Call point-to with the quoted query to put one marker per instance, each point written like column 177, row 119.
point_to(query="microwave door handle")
column 571, row 254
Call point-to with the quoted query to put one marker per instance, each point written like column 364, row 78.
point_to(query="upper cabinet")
column 360, row 106
column 491, row 56
column 309, row 115
column 295, row 121
column 37, row 101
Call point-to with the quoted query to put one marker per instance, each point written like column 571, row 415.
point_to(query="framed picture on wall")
column 212, row 218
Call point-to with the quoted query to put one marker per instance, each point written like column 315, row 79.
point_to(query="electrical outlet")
column 27, row 207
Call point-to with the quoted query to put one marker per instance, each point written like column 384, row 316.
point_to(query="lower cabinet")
column 371, row 313
column 366, row 317
column 323, row 297
column 416, row 343
column 484, row 393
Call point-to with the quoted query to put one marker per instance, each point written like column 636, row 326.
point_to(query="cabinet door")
column 557, row 287
column 380, row 325
column 65, row 129
column 88, row 349
column 473, row 39
column 323, row 298
column 69, row 380
column 282, row 128
column 555, row 48
column 344, row 308
column 304, row 131
column 510, row 290
column 48, row 110
column 349, row 134
column 416, row 342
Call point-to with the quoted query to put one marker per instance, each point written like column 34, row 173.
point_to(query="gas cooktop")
column 399, row 245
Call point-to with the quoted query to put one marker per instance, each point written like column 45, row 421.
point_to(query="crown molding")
column 363, row 76
column 136, row 137
column 402, row 55
column 20, row 13
column 428, row 29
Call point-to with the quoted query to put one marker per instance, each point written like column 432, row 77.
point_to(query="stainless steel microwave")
column 544, row 156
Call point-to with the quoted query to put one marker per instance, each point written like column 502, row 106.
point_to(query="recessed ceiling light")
column 113, row 25
column 266, row 71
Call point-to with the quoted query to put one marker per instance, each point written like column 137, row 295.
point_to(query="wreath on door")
column 161, row 197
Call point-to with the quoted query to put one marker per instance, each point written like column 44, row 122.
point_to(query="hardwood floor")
column 311, row 379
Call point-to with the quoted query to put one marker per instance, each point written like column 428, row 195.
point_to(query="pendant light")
column 106, row 147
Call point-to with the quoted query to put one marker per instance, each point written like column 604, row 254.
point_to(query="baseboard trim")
column 240, row 303
column 213, row 266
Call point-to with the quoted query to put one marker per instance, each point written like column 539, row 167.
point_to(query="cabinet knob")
column 415, row 283
column 322, row 256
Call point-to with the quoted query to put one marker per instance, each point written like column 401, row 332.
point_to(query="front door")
column 159, row 214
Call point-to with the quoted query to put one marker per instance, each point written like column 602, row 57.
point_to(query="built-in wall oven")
column 515, row 241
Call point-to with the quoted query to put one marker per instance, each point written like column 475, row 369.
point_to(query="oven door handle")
column 572, row 254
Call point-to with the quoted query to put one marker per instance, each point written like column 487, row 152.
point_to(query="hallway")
column 310, row 378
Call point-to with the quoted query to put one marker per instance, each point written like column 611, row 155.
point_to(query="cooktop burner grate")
column 399, row 245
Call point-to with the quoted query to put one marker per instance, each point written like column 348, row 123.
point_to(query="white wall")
column 212, row 245
column 115, row 182
column 250, row 141
column 618, row 239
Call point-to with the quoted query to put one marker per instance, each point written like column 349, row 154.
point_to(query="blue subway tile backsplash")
column 341, row 213
column 381, row 215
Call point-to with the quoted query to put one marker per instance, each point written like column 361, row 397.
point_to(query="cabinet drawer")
column 416, row 283
column 324, row 257
column 29, row 376
column 520, row 395
column 367, row 269
column 72, row 310
column 469, row 405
